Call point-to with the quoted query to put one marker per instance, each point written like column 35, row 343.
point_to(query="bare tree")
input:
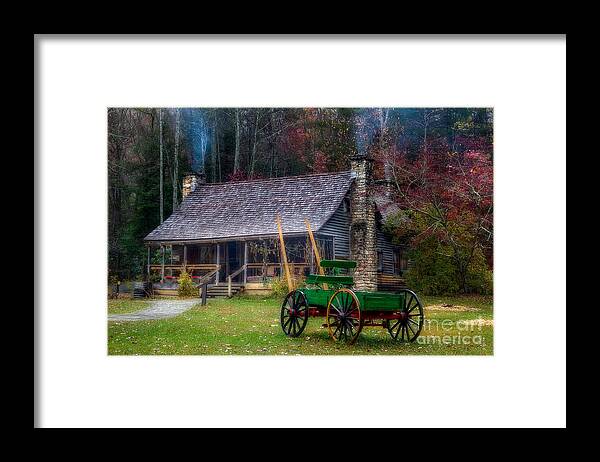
column 236, row 159
column 176, row 160
column 272, row 141
column 160, row 130
column 254, row 144
column 213, row 149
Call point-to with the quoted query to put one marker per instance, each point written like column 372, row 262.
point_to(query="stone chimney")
column 387, row 170
column 190, row 181
column 363, row 232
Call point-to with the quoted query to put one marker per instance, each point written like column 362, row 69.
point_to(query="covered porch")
column 246, row 262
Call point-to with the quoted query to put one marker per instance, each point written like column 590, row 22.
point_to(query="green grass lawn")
column 250, row 326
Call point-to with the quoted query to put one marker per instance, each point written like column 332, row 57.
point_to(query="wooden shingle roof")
column 248, row 208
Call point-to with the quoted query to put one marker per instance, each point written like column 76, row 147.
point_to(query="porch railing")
column 197, row 271
column 253, row 272
column 231, row 276
column 262, row 272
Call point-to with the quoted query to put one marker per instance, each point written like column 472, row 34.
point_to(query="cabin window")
column 379, row 261
column 346, row 205
column 297, row 249
column 400, row 262
column 325, row 245
column 263, row 251
column 268, row 251
column 201, row 254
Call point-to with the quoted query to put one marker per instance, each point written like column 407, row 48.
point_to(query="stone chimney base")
column 363, row 231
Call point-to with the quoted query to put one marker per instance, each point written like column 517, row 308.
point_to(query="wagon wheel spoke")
column 349, row 302
column 355, row 322
column 339, row 326
column 352, row 308
column 337, row 309
column 333, row 320
column 407, row 302
column 346, row 330
column 351, row 327
column 349, row 330
column 286, row 323
column 410, row 310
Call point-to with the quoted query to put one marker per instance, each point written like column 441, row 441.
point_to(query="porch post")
column 184, row 256
column 245, row 261
column 162, row 265
column 218, row 263
column 280, row 262
column 312, row 259
column 148, row 266
column 226, row 255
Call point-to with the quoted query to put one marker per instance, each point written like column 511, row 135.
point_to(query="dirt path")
column 158, row 309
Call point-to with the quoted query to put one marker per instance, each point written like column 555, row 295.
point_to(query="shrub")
column 154, row 277
column 433, row 273
column 186, row 287
column 480, row 279
column 279, row 287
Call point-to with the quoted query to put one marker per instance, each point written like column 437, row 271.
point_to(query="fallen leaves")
column 446, row 307
column 480, row 322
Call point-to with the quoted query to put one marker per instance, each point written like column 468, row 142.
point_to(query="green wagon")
column 347, row 311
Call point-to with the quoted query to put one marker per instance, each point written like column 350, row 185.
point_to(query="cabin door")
column 234, row 258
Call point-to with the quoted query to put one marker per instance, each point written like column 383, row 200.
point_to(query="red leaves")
column 453, row 192
column 320, row 162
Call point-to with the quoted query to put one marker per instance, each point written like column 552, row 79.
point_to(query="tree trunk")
column 383, row 118
column 425, row 124
column 160, row 130
column 272, row 143
column 236, row 159
column 176, row 162
column 214, row 149
column 253, row 158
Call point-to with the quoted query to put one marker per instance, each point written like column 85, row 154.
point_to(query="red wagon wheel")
column 294, row 313
column 408, row 326
column 344, row 321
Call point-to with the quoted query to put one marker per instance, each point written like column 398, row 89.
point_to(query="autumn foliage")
column 437, row 163
column 446, row 202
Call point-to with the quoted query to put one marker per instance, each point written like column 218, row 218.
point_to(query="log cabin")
column 226, row 233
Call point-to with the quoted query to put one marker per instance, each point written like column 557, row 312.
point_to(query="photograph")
column 222, row 222
column 300, row 231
